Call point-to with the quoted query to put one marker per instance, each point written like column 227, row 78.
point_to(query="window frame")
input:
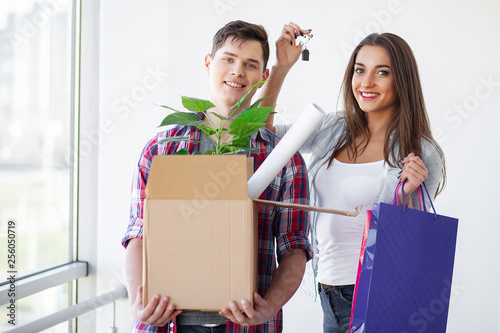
column 70, row 271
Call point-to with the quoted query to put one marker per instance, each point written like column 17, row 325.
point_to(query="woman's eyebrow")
column 378, row 66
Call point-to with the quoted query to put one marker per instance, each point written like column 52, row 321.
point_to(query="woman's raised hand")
column 287, row 49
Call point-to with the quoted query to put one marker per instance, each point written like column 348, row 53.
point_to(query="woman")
column 360, row 155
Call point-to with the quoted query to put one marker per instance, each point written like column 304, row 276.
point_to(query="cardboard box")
column 200, row 231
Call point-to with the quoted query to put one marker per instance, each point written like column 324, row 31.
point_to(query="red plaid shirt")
column 288, row 228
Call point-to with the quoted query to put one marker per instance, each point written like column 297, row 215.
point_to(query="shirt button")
column 171, row 324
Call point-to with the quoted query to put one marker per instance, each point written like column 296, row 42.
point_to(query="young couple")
column 358, row 156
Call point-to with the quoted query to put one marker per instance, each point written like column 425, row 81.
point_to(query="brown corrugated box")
column 200, row 231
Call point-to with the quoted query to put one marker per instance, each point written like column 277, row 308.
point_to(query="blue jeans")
column 336, row 302
column 201, row 329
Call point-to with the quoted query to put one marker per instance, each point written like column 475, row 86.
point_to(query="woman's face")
column 373, row 80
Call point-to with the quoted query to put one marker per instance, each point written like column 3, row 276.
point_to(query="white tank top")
column 344, row 186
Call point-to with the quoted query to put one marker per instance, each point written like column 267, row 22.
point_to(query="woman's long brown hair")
column 410, row 123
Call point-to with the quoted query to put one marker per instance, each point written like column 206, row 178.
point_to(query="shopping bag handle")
column 402, row 185
column 430, row 200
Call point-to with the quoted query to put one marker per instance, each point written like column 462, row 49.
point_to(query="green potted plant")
column 230, row 140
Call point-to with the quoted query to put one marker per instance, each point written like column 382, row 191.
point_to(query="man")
column 238, row 61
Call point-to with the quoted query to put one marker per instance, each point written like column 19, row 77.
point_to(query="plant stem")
column 217, row 145
column 208, row 119
column 224, row 124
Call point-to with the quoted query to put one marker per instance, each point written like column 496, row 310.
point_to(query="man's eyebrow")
column 236, row 56
column 378, row 66
column 230, row 54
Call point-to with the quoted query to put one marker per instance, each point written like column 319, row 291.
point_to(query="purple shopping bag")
column 405, row 280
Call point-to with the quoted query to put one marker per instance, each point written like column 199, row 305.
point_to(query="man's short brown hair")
column 242, row 31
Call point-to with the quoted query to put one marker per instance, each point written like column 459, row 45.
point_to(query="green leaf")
column 182, row 119
column 222, row 117
column 173, row 139
column 235, row 149
column 168, row 107
column 256, row 104
column 242, row 99
column 258, row 114
column 209, row 131
column 195, row 104
column 245, row 129
column 250, row 122
column 183, row 151
column 240, row 142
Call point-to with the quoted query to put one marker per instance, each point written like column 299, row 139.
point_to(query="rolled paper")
column 285, row 149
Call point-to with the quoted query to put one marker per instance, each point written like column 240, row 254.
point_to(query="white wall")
column 152, row 51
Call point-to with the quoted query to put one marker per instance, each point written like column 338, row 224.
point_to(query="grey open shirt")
column 320, row 145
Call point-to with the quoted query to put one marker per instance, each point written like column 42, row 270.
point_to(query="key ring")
column 305, row 51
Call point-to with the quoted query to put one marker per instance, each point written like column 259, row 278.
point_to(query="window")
column 36, row 143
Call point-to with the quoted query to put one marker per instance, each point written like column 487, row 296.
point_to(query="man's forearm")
column 133, row 267
column 287, row 278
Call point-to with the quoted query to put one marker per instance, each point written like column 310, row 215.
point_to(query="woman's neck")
column 378, row 124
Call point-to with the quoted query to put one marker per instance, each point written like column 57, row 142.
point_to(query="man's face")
column 233, row 70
